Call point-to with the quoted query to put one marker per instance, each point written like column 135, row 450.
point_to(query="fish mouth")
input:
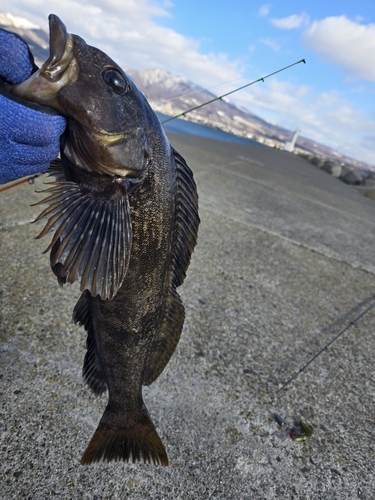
column 60, row 69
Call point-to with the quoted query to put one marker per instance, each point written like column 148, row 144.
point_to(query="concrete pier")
column 285, row 261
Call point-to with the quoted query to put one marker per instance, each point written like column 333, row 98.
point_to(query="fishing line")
column 301, row 370
column 300, row 430
column 231, row 92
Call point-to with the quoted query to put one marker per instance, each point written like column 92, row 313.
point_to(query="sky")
column 331, row 98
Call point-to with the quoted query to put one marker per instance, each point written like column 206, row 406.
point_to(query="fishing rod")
column 231, row 92
column 30, row 180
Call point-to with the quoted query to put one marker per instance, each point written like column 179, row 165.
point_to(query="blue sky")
column 331, row 98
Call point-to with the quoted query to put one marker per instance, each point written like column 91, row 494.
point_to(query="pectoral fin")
column 92, row 234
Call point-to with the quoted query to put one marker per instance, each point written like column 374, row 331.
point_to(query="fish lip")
column 109, row 138
column 60, row 69
column 61, row 50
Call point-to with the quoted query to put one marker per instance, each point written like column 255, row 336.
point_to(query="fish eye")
column 115, row 80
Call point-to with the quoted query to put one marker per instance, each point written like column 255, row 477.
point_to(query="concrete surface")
column 285, row 260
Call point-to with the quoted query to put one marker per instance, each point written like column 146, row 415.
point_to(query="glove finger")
column 16, row 60
column 25, row 160
column 25, row 125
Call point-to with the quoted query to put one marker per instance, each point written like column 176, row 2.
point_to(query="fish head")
column 111, row 127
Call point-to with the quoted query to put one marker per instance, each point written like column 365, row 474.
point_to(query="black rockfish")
column 124, row 214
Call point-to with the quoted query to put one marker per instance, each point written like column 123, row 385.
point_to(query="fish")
column 123, row 210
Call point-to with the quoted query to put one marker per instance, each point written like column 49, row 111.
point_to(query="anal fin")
column 92, row 372
column 166, row 340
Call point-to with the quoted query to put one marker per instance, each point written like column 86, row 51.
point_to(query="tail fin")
column 140, row 441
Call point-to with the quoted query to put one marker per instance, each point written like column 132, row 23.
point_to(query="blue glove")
column 29, row 133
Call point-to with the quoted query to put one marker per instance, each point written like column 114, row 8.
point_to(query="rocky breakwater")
column 362, row 180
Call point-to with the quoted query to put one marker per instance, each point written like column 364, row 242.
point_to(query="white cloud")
column 264, row 10
column 346, row 43
column 291, row 22
column 271, row 44
column 127, row 32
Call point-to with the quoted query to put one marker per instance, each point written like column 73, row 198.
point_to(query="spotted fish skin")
column 124, row 215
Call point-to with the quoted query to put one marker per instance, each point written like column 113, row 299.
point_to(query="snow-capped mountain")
column 173, row 95
column 7, row 19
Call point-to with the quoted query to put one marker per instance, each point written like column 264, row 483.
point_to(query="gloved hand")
column 29, row 133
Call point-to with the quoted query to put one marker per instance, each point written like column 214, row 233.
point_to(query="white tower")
column 289, row 146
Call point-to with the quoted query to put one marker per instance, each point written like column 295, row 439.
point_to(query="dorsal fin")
column 187, row 221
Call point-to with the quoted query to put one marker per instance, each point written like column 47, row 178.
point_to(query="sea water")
column 181, row 126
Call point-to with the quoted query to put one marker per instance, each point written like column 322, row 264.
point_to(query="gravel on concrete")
column 285, row 261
